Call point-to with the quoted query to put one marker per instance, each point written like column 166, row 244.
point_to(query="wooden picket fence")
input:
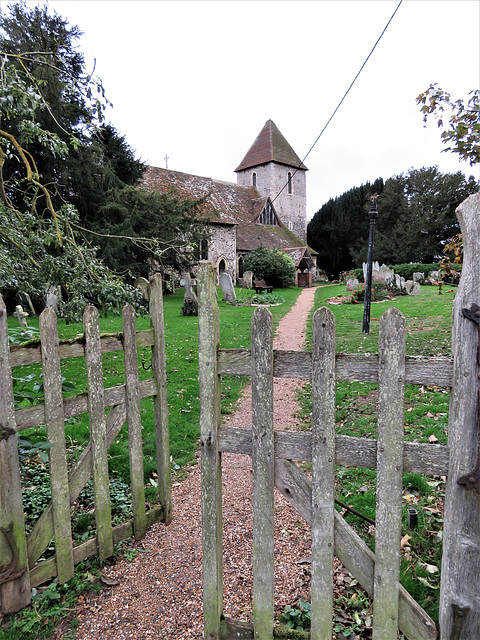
column 273, row 454
column 21, row 566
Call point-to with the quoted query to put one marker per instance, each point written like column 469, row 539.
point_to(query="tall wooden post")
column 160, row 402
column 262, row 473
column 209, row 383
column 460, row 586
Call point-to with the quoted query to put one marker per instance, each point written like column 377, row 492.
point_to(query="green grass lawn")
column 181, row 338
column 429, row 322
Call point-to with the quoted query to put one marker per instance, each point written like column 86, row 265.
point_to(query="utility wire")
column 341, row 101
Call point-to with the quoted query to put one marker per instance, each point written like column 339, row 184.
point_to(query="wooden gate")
column 273, row 454
column 20, row 568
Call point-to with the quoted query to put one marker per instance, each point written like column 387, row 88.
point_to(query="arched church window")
column 203, row 249
column 289, row 183
column 240, row 267
column 254, row 179
column 267, row 216
column 221, row 267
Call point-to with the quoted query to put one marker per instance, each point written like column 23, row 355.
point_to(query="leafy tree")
column 462, row 131
column 39, row 49
column 275, row 267
column 63, row 171
column 140, row 232
column 339, row 225
column 416, row 217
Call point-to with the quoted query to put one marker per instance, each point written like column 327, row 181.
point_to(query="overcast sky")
column 198, row 80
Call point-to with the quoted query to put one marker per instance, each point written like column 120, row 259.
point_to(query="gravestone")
column 435, row 275
column 409, row 287
column 227, row 287
column 418, row 277
column 399, row 281
column 21, row 316
column 352, row 283
column 375, row 267
column 142, row 284
column 189, row 292
column 386, row 274
column 248, row 279
column 415, row 290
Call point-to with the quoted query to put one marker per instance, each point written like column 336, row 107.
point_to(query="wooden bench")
column 261, row 287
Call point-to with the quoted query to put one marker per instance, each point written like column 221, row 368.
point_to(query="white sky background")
column 198, row 80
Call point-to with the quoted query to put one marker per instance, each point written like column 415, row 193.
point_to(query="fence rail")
column 21, row 566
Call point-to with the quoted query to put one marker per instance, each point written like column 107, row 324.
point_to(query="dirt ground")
column 159, row 593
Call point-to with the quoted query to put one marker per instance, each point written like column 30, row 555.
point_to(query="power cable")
column 341, row 101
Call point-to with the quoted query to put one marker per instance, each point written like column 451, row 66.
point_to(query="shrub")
column 275, row 267
column 407, row 270
column 356, row 273
column 189, row 308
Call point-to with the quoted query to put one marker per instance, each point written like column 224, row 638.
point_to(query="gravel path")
column 159, row 594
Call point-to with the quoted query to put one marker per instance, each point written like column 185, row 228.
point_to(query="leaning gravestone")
column 227, row 287
column 248, row 279
column 24, row 298
column 418, row 277
column 21, row 316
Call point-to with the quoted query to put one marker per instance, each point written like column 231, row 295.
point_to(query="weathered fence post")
column 57, row 455
column 209, row 387
column 460, row 590
column 323, row 471
column 160, row 402
column 132, row 403
column 98, row 432
column 388, row 520
column 262, row 473
column 14, row 578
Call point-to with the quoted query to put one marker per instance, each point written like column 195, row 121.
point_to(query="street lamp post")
column 368, row 279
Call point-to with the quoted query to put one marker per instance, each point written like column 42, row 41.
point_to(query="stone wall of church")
column 222, row 245
column 291, row 207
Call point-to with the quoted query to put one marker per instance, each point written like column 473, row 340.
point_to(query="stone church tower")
column 273, row 167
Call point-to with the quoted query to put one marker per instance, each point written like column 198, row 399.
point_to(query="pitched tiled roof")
column 270, row 146
column 225, row 203
column 228, row 203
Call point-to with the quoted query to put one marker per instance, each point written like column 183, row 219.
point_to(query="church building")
column 266, row 207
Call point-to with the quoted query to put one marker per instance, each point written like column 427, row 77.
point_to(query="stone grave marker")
column 189, row 292
column 248, row 279
column 375, row 267
column 227, row 287
column 21, row 316
column 415, row 290
column 386, row 274
column 142, row 284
